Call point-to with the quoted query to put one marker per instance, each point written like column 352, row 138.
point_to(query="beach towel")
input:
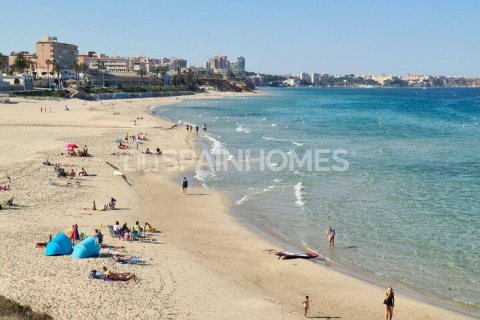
column 114, row 280
column 133, row 260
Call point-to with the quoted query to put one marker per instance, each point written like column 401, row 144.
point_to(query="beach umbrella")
column 71, row 146
column 137, row 142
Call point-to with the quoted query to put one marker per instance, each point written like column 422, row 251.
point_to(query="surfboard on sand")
column 296, row 255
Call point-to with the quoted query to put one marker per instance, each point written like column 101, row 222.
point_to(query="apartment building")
column 48, row 48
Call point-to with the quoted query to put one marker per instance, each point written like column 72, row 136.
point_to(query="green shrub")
column 17, row 311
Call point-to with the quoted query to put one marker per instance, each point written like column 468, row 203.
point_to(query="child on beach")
column 184, row 186
column 306, row 306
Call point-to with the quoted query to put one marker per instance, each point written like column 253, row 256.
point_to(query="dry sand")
column 202, row 265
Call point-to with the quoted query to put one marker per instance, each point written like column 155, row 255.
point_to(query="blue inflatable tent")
column 86, row 248
column 60, row 245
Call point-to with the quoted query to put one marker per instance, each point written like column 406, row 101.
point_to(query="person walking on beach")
column 196, row 128
column 331, row 236
column 184, row 186
column 306, row 306
column 389, row 303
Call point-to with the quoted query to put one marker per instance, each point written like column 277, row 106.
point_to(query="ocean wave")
column 204, row 175
column 217, row 147
column 283, row 140
column 274, row 125
column 299, row 191
column 244, row 199
column 249, row 196
column 242, row 129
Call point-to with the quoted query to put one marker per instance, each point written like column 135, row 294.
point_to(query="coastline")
column 270, row 236
column 205, row 264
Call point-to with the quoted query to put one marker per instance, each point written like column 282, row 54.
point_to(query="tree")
column 34, row 62
column 190, row 79
column 21, row 63
column 177, row 77
column 101, row 67
column 78, row 68
column 56, row 68
column 163, row 72
column 48, row 63
column 3, row 60
column 141, row 73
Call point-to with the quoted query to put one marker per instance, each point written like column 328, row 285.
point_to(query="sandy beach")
column 203, row 264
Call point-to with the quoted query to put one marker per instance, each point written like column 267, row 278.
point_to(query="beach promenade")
column 202, row 264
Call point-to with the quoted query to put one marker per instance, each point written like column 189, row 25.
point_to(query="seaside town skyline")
column 71, row 62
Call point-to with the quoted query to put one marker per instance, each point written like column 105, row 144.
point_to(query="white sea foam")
column 242, row 129
column 217, row 147
column 277, row 180
column 299, row 191
column 274, row 125
column 297, row 143
column 204, row 175
column 244, row 199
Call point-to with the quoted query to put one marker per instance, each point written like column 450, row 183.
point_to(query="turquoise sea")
column 405, row 202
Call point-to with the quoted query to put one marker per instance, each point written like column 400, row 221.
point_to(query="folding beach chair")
column 113, row 234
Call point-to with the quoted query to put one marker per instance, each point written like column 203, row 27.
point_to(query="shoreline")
column 265, row 232
column 204, row 264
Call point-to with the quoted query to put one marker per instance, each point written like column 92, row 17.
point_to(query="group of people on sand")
column 111, row 205
column 157, row 151
column 60, row 172
column 80, row 153
column 141, row 136
column 127, row 233
column 42, row 109
column 5, row 184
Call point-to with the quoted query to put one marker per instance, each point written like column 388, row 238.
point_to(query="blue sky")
column 282, row 36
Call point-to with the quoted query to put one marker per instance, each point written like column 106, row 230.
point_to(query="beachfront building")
column 221, row 65
column 18, row 82
column 381, row 78
column 49, row 49
column 2, row 83
column 304, row 77
column 112, row 65
column 238, row 67
column 173, row 63
column 25, row 54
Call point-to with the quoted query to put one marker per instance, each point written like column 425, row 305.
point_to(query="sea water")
column 405, row 205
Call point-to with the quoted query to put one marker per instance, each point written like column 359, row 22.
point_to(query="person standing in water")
column 196, row 129
column 184, row 186
column 204, row 127
column 389, row 303
column 306, row 306
column 331, row 236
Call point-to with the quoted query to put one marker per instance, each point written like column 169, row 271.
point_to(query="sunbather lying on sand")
column 127, row 259
column 117, row 276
